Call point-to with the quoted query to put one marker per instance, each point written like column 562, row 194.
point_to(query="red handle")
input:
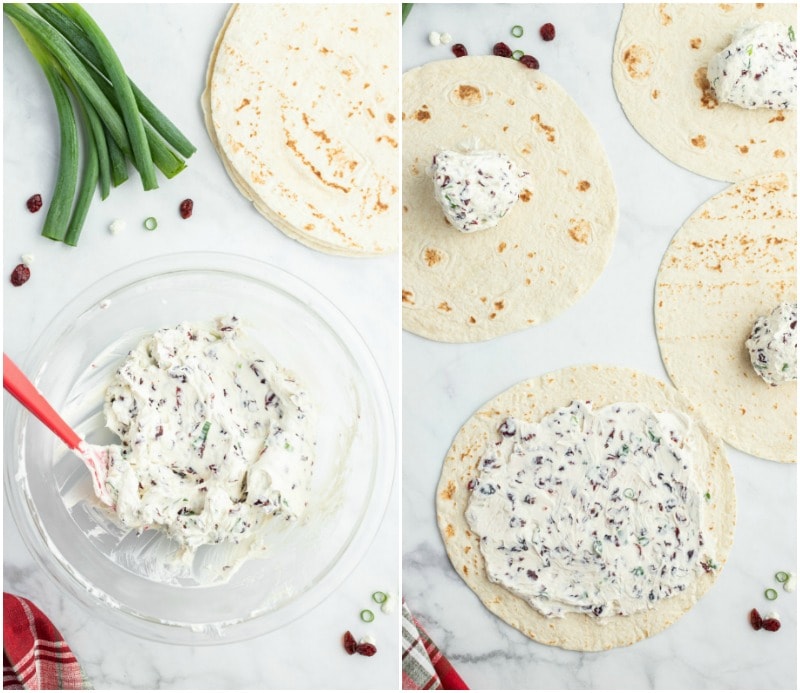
column 15, row 381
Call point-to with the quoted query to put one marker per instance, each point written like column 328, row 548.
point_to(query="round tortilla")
column 301, row 105
column 532, row 400
column 659, row 67
column 553, row 244
column 732, row 261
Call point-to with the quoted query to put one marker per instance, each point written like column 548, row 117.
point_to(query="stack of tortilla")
column 660, row 59
column 531, row 401
column 553, row 244
column 731, row 262
column 301, row 103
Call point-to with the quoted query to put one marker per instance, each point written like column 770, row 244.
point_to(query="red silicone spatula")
column 93, row 456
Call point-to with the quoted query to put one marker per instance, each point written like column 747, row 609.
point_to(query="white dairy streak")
column 217, row 440
column 773, row 345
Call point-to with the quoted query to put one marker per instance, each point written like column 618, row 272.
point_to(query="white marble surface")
column 165, row 48
column 712, row 646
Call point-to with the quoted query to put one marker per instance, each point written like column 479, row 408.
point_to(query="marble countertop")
column 165, row 47
column 710, row 647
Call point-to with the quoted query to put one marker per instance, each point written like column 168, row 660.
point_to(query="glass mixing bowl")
column 115, row 571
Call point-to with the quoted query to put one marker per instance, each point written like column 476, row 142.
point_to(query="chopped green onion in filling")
column 517, row 31
column 771, row 594
column 379, row 597
column 367, row 616
column 151, row 223
column 781, row 576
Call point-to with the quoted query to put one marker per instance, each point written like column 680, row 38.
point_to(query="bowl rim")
column 235, row 630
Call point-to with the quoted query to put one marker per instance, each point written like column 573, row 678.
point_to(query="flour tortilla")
column 660, row 58
column 301, row 105
column 531, row 401
column 732, row 261
column 552, row 245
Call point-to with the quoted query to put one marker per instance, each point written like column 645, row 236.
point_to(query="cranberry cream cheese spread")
column 758, row 69
column 217, row 439
column 597, row 512
column 475, row 189
column 773, row 345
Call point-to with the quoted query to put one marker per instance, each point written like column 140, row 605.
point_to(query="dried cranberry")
column 20, row 275
column 530, row 62
column 508, row 428
column 34, row 203
column 547, row 31
column 349, row 643
column 459, row 50
column 501, row 50
column 772, row 624
column 187, row 206
column 366, row 648
column 755, row 620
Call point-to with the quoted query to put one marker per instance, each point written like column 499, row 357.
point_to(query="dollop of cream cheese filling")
column 758, row 69
column 590, row 512
column 217, row 439
column 773, row 345
column 475, row 189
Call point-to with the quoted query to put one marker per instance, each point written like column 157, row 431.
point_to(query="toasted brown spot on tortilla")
column 466, row 570
column 309, row 227
column 492, row 316
column 584, row 185
column 548, row 130
column 580, row 231
column 743, row 148
column 472, row 320
column 527, row 281
column 708, row 99
column 759, row 5
column 699, row 141
column 499, row 305
column 245, row 102
column 422, row 115
column 449, row 491
column 779, row 118
column 779, row 153
column 390, row 118
column 725, row 7
column 666, row 20
column 654, row 94
column 408, row 297
column 388, row 139
column 511, row 102
column 432, row 256
column 466, row 92
column 449, row 531
column 638, row 61
column 695, row 43
column 445, row 306
column 501, row 247
column 525, row 195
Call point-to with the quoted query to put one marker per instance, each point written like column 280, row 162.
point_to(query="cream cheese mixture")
column 475, row 189
column 773, row 345
column 596, row 512
column 758, row 69
column 217, row 439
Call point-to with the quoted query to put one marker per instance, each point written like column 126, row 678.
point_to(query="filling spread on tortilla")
column 758, row 69
column 592, row 512
column 773, row 345
column 475, row 189
column 216, row 438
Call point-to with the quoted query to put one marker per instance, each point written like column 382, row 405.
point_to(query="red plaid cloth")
column 35, row 656
column 424, row 666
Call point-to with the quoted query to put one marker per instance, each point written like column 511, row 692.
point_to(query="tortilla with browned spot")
column 531, row 401
column 553, row 244
column 660, row 58
column 733, row 260
column 301, row 104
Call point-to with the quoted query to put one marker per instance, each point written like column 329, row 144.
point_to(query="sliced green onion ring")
column 517, row 31
column 379, row 597
column 151, row 223
column 770, row 594
column 628, row 493
column 368, row 617
column 781, row 576
column 517, row 54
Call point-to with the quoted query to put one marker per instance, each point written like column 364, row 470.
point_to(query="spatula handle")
column 15, row 381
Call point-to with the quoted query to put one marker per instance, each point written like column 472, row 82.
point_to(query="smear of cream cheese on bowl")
column 217, row 440
column 475, row 187
column 595, row 512
column 758, row 69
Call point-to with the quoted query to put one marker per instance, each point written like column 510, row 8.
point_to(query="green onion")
column 103, row 161
column 91, row 168
column 597, row 547
column 367, row 616
column 781, row 576
column 791, row 33
column 151, row 223
column 119, row 166
column 130, row 111
column 638, row 570
column 379, row 597
column 407, row 10
column 707, row 495
column 517, row 31
column 770, row 594
column 517, row 54
column 629, row 493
